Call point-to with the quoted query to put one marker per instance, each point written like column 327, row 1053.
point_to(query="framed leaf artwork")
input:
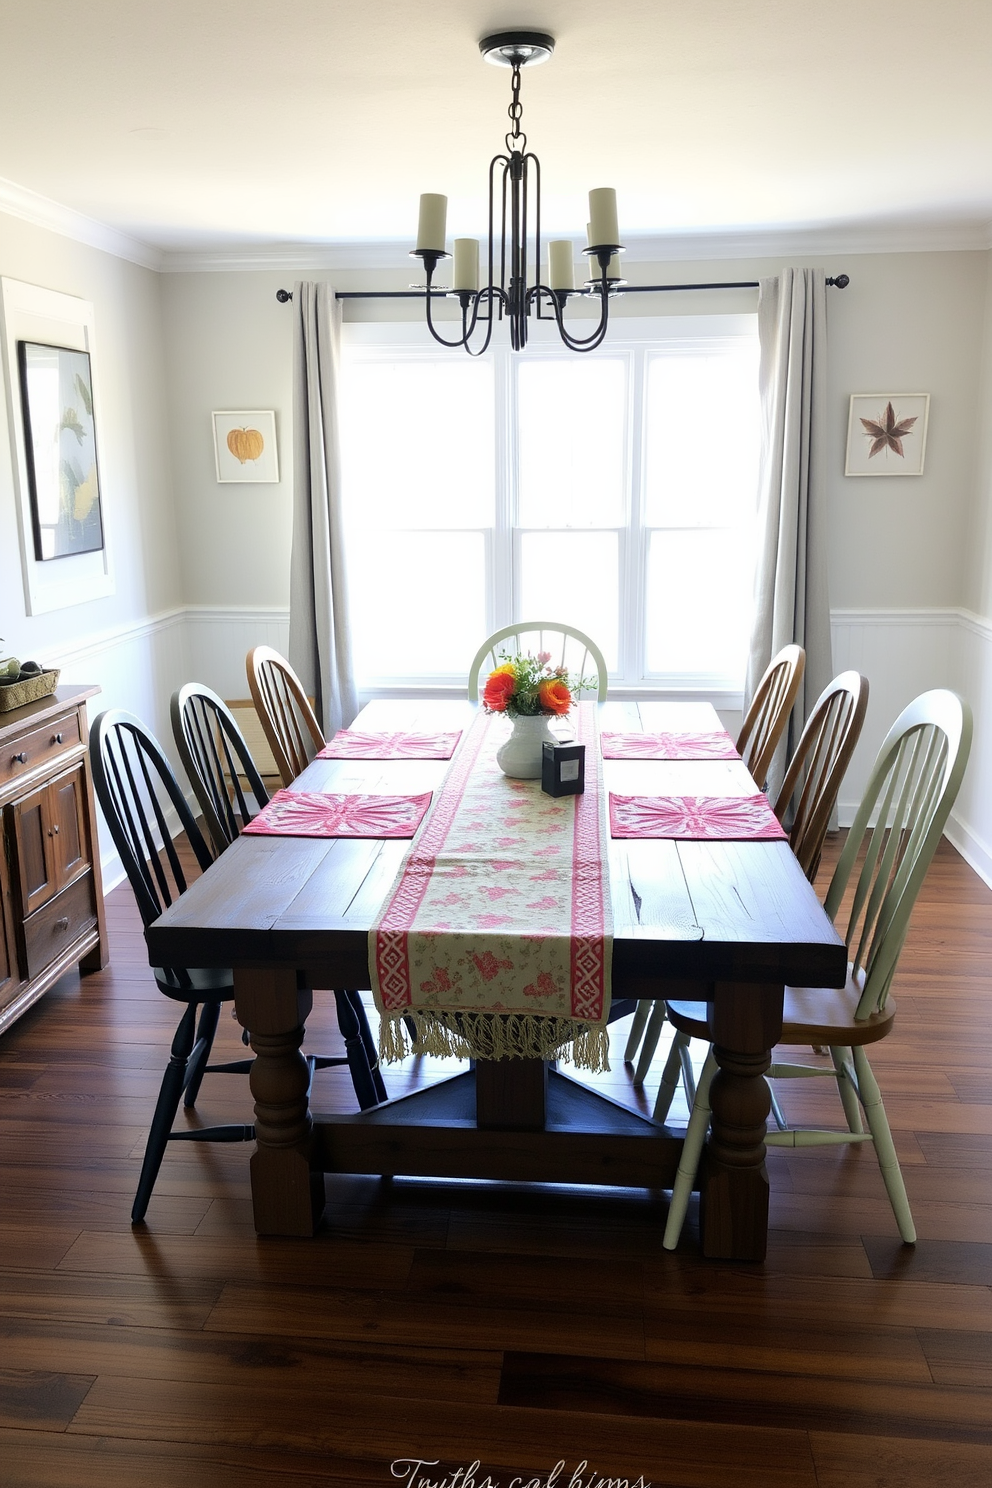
column 245, row 446
column 887, row 433
column 60, row 445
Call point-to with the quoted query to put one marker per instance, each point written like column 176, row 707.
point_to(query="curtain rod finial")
column 284, row 295
column 841, row 282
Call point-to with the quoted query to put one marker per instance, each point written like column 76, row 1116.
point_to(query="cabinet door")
column 9, row 978
column 34, row 845
column 68, row 825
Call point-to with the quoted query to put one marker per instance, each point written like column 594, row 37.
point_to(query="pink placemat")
column 321, row 814
column 354, row 744
column 674, row 746
column 695, row 818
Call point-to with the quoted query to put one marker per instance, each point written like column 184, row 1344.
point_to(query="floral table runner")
column 695, row 818
column 670, row 746
column 497, row 932
column 323, row 814
column 354, row 744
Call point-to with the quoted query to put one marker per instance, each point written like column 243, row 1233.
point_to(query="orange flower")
column 499, row 688
column 554, row 695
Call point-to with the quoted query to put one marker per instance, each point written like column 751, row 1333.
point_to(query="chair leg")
column 636, row 1028
column 358, row 1061
column 656, row 1023
column 846, row 1090
column 692, row 1150
column 197, row 1062
column 885, row 1151
column 371, row 1052
column 169, row 1096
column 670, row 1077
column 777, row 1111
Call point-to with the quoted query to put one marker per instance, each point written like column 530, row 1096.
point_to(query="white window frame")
column 632, row 339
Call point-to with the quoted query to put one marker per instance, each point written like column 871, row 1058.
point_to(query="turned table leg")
column 287, row 1198
column 745, row 1022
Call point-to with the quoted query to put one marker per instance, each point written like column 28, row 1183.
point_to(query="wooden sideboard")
column 51, row 891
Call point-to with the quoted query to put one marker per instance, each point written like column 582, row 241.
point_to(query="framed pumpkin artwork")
column 245, row 446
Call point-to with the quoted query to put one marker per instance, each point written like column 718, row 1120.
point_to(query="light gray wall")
column 134, row 435
column 908, row 322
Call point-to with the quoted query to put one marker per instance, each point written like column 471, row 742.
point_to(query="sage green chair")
column 912, row 788
column 569, row 647
column 809, row 793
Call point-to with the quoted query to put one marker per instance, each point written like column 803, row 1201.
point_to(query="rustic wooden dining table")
column 728, row 923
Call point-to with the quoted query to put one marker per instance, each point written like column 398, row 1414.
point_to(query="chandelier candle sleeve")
column 603, row 228
column 433, row 220
column 465, row 275
column 561, row 270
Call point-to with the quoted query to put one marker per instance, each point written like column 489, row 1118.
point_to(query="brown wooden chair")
column 284, row 711
column 819, row 765
column 766, row 719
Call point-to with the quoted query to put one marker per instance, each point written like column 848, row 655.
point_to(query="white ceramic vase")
column 522, row 754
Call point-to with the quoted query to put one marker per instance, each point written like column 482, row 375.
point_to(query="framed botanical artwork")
column 887, row 433
column 60, row 447
column 245, row 446
column 64, row 493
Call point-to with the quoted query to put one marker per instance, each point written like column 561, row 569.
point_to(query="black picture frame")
column 61, row 450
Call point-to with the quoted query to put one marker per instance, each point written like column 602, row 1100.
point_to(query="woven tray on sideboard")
column 31, row 690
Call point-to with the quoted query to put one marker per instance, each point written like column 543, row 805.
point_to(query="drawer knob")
column 53, row 831
column 61, row 925
column 57, row 739
column 19, row 759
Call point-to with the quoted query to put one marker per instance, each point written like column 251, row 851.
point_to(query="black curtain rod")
column 284, row 295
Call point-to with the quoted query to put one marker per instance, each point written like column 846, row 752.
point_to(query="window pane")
column 418, row 442
column 418, row 602
column 699, row 587
column 572, row 576
column 571, row 430
column 702, row 438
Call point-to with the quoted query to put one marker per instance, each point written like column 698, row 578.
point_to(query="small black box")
column 563, row 769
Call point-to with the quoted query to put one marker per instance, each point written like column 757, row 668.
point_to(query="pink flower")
column 489, row 967
column 544, row 987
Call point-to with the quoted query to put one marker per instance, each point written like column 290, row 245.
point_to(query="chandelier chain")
column 515, row 111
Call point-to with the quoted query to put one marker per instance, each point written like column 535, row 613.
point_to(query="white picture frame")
column 245, row 449
column 48, row 317
column 887, row 433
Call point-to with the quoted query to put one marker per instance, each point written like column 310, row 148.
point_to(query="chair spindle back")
column 216, row 757
column 566, row 646
column 284, row 711
column 909, row 796
column 816, row 770
column 766, row 719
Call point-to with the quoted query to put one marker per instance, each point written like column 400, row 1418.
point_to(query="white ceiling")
column 198, row 124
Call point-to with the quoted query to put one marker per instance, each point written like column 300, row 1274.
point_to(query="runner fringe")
column 489, row 1036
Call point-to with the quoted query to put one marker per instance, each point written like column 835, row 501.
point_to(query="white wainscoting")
column 902, row 652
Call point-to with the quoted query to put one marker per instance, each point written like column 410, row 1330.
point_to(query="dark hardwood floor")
column 463, row 1322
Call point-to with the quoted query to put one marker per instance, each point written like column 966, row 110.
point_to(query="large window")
column 614, row 490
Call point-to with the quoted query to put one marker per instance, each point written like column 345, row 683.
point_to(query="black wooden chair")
column 142, row 800
column 219, row 764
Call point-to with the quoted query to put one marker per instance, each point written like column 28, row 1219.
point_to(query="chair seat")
column 811, row 1015
column 205, row 984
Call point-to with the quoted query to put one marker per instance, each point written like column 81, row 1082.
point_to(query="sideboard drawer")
column 58, row 923
column 26, row 751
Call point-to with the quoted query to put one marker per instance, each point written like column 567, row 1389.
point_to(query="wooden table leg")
column 745, row 1023
column 511, row 1094
column 287, row 1197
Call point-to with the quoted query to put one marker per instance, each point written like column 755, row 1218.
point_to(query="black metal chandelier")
column 515, row 189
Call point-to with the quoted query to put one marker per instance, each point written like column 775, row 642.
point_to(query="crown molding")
column 742, row 243
column 42, row 211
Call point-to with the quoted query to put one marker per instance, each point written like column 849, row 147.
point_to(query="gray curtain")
column 791, row 601
column 319, row 631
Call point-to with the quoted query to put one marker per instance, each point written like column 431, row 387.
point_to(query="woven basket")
column 31, row 690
